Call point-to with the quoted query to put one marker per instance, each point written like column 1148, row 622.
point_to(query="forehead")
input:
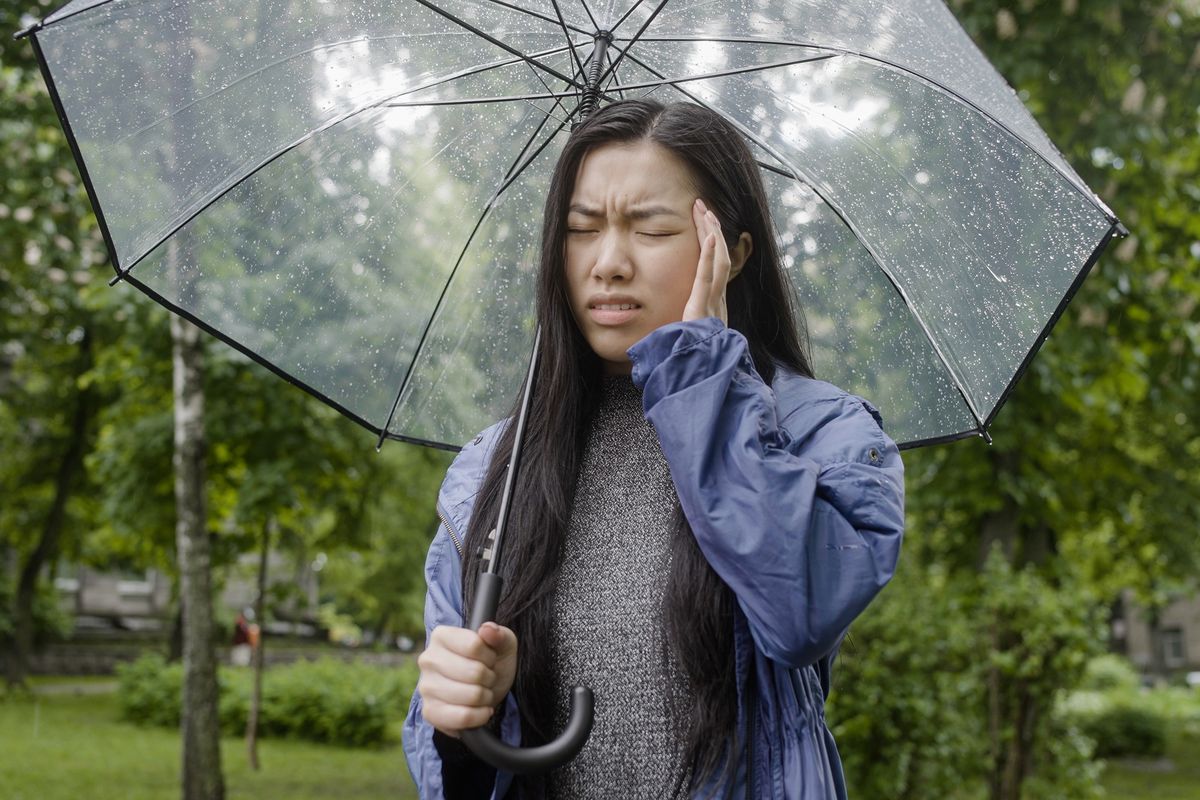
column 630, row 173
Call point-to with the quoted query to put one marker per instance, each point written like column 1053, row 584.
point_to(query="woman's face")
column 632, row 247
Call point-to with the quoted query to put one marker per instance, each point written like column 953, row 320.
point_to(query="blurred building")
column 1159, row 644
column 142, row 600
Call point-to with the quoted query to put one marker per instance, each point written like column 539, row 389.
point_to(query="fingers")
column 456, row 667
column 464, row 642
column 502, row 640
column 459, row 684
column 712, row 271
column 451, row 692
column 452, row 719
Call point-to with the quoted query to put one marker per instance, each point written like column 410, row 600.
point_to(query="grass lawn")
column 67, row 746
column 1175, row 778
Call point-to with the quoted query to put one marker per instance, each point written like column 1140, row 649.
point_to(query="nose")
column 612, row 258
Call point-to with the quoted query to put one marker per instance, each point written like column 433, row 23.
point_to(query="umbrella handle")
column 519, row 760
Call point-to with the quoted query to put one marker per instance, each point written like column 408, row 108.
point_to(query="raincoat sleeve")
column 797, row 502
column 440, row 766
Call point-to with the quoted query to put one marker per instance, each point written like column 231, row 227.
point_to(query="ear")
column 739, row 253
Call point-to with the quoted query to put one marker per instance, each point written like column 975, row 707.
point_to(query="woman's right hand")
column 465, row 675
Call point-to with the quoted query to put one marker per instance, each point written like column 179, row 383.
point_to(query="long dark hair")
column 699, row 605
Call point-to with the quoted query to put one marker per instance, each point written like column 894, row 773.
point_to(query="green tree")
column 1090, row 487
column 49, row 334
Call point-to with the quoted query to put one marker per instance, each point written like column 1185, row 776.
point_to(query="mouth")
column 613, row 314
column 614, row 306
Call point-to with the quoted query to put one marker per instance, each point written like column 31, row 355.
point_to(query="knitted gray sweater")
column 609, row 631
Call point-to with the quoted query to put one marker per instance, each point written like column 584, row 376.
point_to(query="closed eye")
column 656, row 234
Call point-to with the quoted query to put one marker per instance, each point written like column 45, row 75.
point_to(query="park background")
column 1035, row 642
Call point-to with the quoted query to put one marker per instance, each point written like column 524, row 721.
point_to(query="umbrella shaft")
column 591, row 95
column 493, row 563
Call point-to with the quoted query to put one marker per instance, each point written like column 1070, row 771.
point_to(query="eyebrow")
column 642, row 212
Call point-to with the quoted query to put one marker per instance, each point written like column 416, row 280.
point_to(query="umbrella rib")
column 557, row 102
column 73, row 143
column 282, row 373
column 471, row 72
column 587, row 10
column 536, row 15
column 724, row 73
column 625, row 16
column 460, row 101
column 567, row 36
column 498, row 43
column 636, row 37
column 628, row 86
column 384, row 103
column 509, row 179
column 299, row 54
column 1114, row 229
column 620, row 88
column 852, row 134
column 1087, row 193
column 799, row 175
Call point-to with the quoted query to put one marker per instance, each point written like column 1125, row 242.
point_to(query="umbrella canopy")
column 350, row 192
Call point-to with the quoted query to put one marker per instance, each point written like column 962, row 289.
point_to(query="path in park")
column 89, row 687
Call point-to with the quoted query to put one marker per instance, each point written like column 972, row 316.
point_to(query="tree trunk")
column 260, row 607
column 20, row 644
column 199, row 725
column 175, row 636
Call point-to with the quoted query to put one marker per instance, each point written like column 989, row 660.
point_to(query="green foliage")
column 905, row 706
column 50, row 621
column 1126, row 730
column 150, row 690
column 381, row 586
column 945, row 667
column 1108, row 672
column 1124, row 719
column 1065, row 768
column 324, row 701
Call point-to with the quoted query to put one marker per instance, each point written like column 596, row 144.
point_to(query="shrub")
column 324, row 701
column 1126, row 730
column 1109, row 672
column 148, row 691
column 906, row 688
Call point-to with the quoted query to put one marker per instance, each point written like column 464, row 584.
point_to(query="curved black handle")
column 521, row 760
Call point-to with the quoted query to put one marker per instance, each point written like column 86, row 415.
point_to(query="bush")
column 1126, row 730
column 1108, row 672
column 323, row 701
column 906, row 688
column 148, row 691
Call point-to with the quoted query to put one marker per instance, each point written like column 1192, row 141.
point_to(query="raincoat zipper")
column 445, row 518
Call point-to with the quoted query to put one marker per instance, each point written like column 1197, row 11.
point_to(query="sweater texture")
column 609, row 632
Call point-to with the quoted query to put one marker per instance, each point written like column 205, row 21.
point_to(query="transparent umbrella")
column 349, row 192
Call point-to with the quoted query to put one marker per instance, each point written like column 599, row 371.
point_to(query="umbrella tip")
column 987, row 437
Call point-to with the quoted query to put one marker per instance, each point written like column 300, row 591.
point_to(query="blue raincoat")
column 796, row 498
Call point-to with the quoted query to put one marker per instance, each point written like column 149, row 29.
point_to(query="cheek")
column 681, row 274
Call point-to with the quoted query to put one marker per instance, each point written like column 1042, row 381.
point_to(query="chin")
column 612, row 350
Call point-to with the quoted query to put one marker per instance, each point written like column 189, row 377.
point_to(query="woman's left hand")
column 712, row 273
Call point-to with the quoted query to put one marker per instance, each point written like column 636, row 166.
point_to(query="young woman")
column 697, row 521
